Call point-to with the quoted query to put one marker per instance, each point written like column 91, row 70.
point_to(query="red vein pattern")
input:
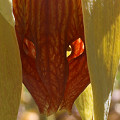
column 45, row 28
column 78, row 75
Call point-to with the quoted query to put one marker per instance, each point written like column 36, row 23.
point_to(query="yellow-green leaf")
column 10, row 68
column 6, row 11
column 84, row 104
column 102, row 37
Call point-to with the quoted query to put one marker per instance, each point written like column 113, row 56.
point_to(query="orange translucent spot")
column 29, row 48
column 77, row 49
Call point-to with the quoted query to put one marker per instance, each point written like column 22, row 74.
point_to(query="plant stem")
column 44, row 117
column 52, row 117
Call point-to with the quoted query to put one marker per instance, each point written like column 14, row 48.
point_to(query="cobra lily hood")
column 45, row 29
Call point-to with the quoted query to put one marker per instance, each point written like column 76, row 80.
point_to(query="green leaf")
column 102, row 37
column 6, row 11
column 84, row 104
column 10, row 69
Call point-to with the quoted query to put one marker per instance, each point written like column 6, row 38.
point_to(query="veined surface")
column 51, row 26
